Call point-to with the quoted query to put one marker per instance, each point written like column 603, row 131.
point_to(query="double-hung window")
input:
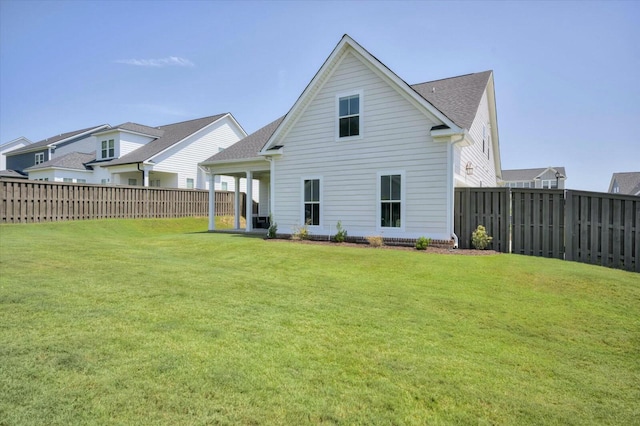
column 391, row 200
column 349, row 115
column 312, row 202
column 108, row 149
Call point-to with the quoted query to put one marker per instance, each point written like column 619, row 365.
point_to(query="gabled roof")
column 155, row 132
column 73, row 160
column 52, row 141
column 171, row 135
column 317, row 82
column 457, row 97
column 628, row 183
column 529, row 174
column 16, row 141
column 248, row 147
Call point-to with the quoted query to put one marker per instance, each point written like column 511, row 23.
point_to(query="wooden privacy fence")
column 590, row 227
column 36, row 201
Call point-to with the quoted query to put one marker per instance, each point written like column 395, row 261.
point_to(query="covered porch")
column 258, row 186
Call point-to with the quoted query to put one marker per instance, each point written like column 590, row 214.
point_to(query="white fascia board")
column 493, row 116
column 236, row 161
column 272, row 152
column 460, row 137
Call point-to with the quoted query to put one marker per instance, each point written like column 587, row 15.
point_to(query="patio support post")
column 249, row 202
column 212, row 201
column 236, row 202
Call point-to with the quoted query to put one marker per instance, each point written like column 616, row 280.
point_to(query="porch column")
column 236, row 203
column 249, row 203
column 212, row 201
column 145, row 178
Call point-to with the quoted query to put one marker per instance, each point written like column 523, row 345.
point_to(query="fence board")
column 36, row 201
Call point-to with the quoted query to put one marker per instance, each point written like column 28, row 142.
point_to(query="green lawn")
column 155, row 322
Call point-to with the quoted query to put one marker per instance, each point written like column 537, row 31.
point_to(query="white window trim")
column 114, row 149
column 321, row 201
column 403, row 201
column 39, row 158
column 358, row 92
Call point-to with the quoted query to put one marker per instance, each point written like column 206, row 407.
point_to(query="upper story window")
column 550, row 184
column 39, row 157
column 108, row 148
column 349, row 115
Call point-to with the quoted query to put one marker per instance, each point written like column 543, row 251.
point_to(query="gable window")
column 108, row 149
column 312, row 202
column 39, row 157
column 391, row 200
column 349, row 115
column 550, row 184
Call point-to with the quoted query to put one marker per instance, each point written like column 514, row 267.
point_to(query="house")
column 625, row 183
column 363, row 147
column 39, row 152
column 10, row 146
column 546, row 177
column 135, row 154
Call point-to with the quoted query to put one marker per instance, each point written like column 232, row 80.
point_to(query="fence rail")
column 29, row 201
column 590, row 227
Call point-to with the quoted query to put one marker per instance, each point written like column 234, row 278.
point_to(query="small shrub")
column 272, row 232
column 375, row 241
column 341, row 234
column 422, row 243
column 301, row 232
column 480, row 239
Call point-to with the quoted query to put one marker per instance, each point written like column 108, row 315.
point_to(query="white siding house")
column 134, row 154
column 362, row 147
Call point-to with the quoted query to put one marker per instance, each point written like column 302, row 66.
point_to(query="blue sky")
column 567, row 74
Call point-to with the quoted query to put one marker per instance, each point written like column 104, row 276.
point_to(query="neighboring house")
column 134, row 154
column 625, row 183
column 363, row 147
column 546, row 177
column 10, row 146
column 47, row 149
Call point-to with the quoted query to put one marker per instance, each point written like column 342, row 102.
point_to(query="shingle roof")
column 171, row 134
column 628, row 183
column 248, row 147
column 73, row 160
column 528, row 174
column 457, row 97
column 52, row 140
column 139, row 128
column 12, row 174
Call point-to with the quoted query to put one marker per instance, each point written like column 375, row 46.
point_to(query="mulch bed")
column 435, row 250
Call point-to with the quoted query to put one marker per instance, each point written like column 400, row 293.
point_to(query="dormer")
column 123, row 139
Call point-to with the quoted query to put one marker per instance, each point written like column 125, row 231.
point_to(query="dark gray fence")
column 488, row 207
column 24, row 201
column 589, row 227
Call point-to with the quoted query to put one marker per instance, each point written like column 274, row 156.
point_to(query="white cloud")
column 158, row 63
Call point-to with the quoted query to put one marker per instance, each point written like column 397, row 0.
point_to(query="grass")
column 155, row 322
